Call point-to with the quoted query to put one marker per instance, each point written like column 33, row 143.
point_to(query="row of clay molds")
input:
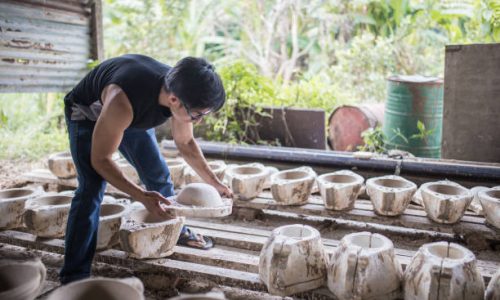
column 364, row 266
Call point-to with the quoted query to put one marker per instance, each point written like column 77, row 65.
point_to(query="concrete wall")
column 471, row 117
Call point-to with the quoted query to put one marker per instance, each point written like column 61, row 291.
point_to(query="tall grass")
column 31, row 125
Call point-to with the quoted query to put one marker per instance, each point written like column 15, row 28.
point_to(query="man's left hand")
column 224, row 190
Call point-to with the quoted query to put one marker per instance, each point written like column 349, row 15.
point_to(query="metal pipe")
column 450, row 169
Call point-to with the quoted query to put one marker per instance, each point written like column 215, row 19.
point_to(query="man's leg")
column 83, row 220
column 141, row 149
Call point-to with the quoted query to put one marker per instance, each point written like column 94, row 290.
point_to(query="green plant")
column 245, row 89
column 374, row 140
column 398, row 134
column 423, row 133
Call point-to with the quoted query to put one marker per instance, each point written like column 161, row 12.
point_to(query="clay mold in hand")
column 199, row 200
column 146, row 235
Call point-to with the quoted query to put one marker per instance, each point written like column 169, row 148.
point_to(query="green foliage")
column 398, row 134
column 422, row 132
column 32, row 125
column 374, row 140
column 92, row 64
column 246, row 90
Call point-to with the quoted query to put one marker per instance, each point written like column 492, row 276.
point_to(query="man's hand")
column 224, row 190
column 151, row 200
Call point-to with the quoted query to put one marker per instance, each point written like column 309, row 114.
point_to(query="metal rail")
column 450, row 169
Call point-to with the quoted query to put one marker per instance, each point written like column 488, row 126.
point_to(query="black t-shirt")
column 139, row 76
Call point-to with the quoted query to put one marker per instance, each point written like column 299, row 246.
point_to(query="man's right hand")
column 152, row 200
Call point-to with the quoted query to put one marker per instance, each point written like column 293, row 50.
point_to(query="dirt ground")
column 11, row 171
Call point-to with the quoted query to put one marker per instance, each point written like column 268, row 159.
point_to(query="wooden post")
column 97, row 50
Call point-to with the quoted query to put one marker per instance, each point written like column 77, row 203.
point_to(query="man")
column 116, row 107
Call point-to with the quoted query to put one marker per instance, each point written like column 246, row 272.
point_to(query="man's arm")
column 115, row 117
column 182, row 133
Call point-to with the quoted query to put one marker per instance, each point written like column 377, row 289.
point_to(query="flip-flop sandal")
column 190, row 236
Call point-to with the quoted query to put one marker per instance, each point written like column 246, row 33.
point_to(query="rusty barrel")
column 347, row 122
column 411, row 99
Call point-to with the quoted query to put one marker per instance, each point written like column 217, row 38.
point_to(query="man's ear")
column 174, row 100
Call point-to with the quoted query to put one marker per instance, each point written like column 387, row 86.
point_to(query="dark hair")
column 194, row 81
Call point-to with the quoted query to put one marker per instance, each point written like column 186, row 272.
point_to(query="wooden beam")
column 96, row 30
column 409, row 220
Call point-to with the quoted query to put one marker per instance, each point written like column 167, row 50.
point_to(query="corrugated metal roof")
column 45, row 45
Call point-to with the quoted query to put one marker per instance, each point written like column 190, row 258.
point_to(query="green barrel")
column 411, row 99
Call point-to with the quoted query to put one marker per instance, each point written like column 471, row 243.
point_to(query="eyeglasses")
column 195, row 116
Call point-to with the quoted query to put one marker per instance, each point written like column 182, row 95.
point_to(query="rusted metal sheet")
column 471, row 122
column 45, row 45
column 293, row 127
